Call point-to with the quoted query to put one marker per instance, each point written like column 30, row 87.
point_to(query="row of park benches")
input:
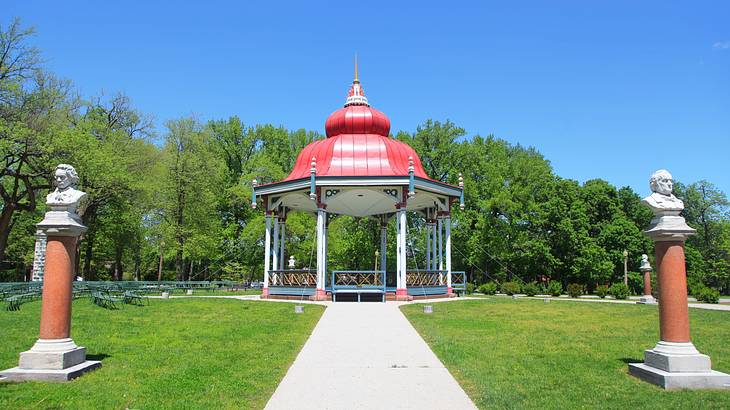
column 110, row 300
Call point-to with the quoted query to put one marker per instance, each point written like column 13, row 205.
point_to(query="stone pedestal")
column 674, row 363
column 55, row 356
column 647, row 298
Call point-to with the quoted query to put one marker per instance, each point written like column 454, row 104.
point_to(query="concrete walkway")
column 367, row 355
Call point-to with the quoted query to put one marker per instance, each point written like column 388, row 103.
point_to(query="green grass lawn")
column 202, row 292
column 177, row 353
column 528, row 354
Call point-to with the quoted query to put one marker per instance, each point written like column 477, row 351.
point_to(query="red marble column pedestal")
column 648, row 297
column 675, row 363
column 55, row 356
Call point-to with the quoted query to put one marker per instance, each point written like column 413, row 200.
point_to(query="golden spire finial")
column 357, row 80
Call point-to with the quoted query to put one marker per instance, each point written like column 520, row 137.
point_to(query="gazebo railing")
column 458, row 281
column 293, row 277
column 356, row 279
column 425, row 277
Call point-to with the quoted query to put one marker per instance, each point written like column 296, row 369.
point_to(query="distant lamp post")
column 626, row 267
column 377, row 258
column 291, row 262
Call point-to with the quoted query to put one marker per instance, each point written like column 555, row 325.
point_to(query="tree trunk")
column 6, row 218
column 137, row 260
column 179, row 262
column 118, row 269
column 159, row 268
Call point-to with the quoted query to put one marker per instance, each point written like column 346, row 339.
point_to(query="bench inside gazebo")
column 360, row 171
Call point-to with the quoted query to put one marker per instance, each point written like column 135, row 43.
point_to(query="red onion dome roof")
column 357, row 144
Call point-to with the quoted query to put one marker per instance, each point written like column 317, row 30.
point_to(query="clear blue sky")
column 604, row 89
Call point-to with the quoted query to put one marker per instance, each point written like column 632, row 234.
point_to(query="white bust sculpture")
column 645, row 263
column 65, row 197
column 65, row 203
column 662, row 199
column 667, row 223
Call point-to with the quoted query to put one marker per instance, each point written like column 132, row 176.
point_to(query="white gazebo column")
column 428, row 243
column 383, row 243
column 325, row 248
column 321, row 215
column 434, row 245
column 282, row 243
column 447, row 226
column 440, row 228
column 402, row 291
column 275, row 251
column 267, row 255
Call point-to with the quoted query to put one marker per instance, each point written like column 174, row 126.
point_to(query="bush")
column 531, row 289
column 555, row 288
column 619, row 291
column 575, row 290
column 708, row 295
column 602, row 291
column 636, row 283
column 511, row 288
column 489, row 288
column 469, row 288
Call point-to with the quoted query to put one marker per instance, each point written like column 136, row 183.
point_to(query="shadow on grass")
column 99, row 356
column 630, row 360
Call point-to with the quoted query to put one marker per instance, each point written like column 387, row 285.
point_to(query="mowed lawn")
column 177, row 353
column 528, row 354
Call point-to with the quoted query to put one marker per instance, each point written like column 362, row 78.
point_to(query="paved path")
column 367, row 355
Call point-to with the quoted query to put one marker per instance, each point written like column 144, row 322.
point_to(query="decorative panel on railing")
column 293, row 277
column 358, row 278
column 425, row 278
column 458, row 278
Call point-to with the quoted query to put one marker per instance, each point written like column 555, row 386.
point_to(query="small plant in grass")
column 530, row 289
column 469, row 288
column 619, row 291
column 575, row 290
column 489, row 288
column 511, row 288
column 708, row 295
column 555, row 288
column 602, row 291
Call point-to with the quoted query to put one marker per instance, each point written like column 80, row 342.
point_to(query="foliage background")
column 174, row 203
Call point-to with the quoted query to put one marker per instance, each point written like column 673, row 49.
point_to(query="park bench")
column 14, row 301
column 133, row 298
column 105, row 300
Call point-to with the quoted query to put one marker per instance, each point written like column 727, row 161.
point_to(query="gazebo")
column 358, row 170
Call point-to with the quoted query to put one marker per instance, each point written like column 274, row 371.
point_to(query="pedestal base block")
column 52, row 354
column 16, row 374
column 52, row 360
column 647, row 300
column 677, row 357
column 680, row 380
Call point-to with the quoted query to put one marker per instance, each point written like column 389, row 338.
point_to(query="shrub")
column 619, row 291
column 489, row 288
column 469, row 288
column 602, row 291
column 511, row 288
column 636, row 283
column 555, row 288
column 575, row 290
column 708, row 295
column 531, row 289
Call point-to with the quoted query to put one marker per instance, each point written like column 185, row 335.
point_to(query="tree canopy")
column 174, row 203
